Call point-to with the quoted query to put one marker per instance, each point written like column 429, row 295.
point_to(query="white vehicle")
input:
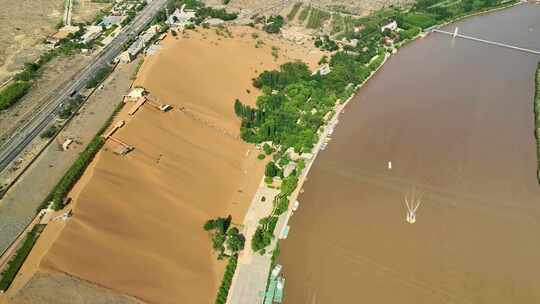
column 276, row 270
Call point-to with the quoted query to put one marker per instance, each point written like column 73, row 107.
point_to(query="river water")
column 455, row 119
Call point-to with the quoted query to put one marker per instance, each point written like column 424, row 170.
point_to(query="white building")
column 139, row 44
column 181, row 17
column 109, row 21
column 91, row 33
column 391, row 26
column 324, row 70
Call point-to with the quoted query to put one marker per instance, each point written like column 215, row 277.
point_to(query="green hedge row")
column 61, row 190
column 20, row 256
column 12, row 93
column 100, row 75
column 537, row 118
column 223, row 291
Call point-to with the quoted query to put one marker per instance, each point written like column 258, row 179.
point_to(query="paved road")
column 12, row 147
column 67, row 12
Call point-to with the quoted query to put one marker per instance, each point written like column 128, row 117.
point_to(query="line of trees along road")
column 537, row 118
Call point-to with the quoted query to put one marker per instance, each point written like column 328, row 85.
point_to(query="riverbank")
column 251, row 270
column 353, row 191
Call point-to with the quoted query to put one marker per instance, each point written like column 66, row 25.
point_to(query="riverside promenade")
column 249, row 281
column 252, row 271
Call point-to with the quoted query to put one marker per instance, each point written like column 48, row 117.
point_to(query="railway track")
column 13, row 146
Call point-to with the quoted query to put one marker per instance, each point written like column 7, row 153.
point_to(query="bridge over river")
column 456, row 34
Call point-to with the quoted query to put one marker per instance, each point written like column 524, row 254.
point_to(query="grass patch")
column 100, row 75
column 13, row 93
column 20, row 256
column 317, row 18
column 338, row 23
column 422, row 20
column 304, row 14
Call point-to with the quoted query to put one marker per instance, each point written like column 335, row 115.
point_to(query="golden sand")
column 137, row 224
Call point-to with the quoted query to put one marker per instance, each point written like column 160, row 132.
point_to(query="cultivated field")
column 355, row 7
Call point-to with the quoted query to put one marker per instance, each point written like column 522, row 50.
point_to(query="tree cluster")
column 274, row 24
column 223, row 236
column 223, row 290
column 326, row 44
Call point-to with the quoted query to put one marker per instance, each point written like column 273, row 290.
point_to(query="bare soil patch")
column 23, row 25
column 137, row 225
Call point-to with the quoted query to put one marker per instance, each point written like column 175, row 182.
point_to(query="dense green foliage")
column 267, row 149
column 49, row 132
column 69, row 107
column 75, row 172
column 235, row 240
column 272, row 170
column 18, row 259
column 223, row 291
column 537, row 117
column 223, row 235
column 326, row 44
column 427, row 13
column 13, row 93
column 289, row 73
column 273, row 24
column 294, row 103
column 219, row 224
column 100, row 75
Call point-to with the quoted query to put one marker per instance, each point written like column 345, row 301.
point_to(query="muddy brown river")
column 455, row 119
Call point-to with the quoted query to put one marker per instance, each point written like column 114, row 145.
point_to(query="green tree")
column 238, row 108
column 235, row 240
column 210, row 225
column 217, row 242
column 271, row 169
column 267, row 149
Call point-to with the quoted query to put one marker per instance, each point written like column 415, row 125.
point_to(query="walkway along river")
column 455, row 119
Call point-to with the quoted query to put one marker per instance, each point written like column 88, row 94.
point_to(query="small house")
column 92, row 32
column 392, row 26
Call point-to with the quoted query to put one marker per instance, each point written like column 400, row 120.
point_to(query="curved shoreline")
column 330, row 125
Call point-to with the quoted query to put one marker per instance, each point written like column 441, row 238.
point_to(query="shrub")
column 100, row 75
column 20, row 256
column 50, row 132
column 537, row 117
column 267, row 149
column 13, row 93
column 271, row 169
column 274, row 24
column 223, row 290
